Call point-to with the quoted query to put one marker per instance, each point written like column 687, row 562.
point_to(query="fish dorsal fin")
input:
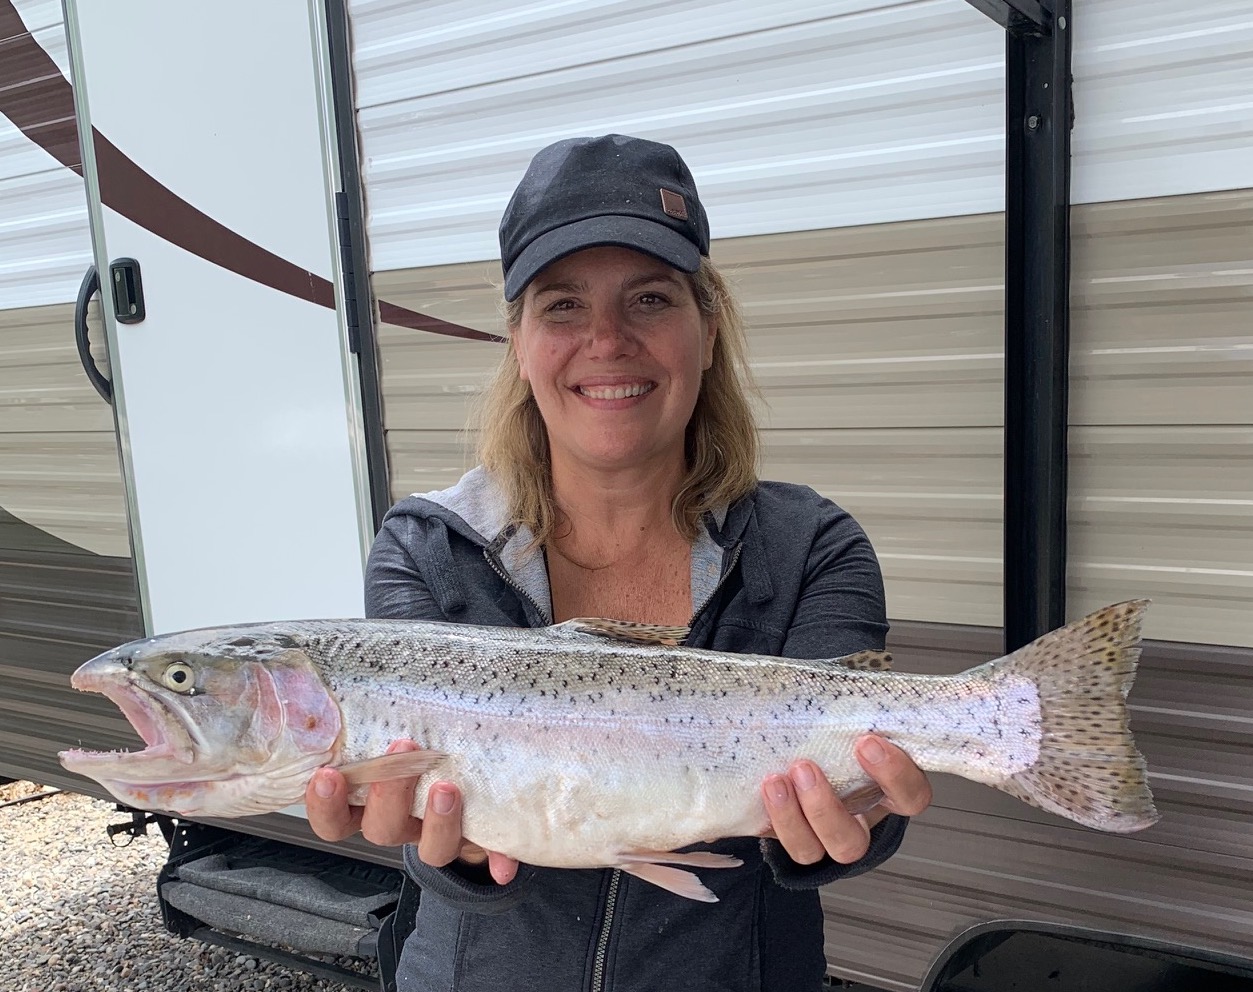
column 625, row 630
column 866, row 661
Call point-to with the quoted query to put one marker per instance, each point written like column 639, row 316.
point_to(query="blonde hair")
column 721, row 444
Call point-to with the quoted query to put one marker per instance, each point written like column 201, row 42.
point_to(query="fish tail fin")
column 1088, row 769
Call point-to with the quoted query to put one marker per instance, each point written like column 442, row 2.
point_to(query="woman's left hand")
column 810, row 821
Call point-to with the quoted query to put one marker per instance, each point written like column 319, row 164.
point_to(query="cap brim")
column 648, row 236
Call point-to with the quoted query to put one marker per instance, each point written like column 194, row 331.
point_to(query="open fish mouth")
column 163, row 754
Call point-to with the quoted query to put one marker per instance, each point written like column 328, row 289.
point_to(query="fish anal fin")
column 384, row 768
column 626, row 630
column 692, row 859
column 676, row 880
column 862, row 799
column 867, row 661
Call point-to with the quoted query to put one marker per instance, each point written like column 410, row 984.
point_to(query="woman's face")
column 613, row 344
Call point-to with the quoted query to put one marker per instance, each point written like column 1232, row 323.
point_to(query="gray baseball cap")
column 611, row 190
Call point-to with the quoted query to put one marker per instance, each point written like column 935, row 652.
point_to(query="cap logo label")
column 673, row 205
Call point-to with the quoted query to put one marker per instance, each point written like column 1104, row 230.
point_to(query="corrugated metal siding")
column 1162, row 98
column 1161, row 492
column 978, row 855
column 796, row 116
column 879, row 355
column 879, row 350
column 67, row 584
column 45, row 243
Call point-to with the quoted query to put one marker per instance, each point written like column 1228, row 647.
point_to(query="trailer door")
column 212, row 166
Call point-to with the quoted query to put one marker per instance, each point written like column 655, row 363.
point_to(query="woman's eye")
column 653, row 301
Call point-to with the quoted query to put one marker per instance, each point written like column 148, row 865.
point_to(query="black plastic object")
column 90, row 286
column 128, row 291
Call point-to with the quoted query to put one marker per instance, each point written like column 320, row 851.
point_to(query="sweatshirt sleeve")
column 841, row 610
column 395, row 589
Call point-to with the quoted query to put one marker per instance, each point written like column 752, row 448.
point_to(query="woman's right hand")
column 387, row 819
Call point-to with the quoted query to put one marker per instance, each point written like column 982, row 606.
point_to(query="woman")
column 617, row 480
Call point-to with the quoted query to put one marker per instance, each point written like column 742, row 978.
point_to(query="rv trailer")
column 249, row 283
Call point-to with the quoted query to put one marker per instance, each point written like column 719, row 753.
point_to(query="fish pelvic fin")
column 1088, row 769
column 386, row 767
column 676, row 880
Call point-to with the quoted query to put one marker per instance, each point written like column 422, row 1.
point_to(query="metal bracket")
column 1039, row 116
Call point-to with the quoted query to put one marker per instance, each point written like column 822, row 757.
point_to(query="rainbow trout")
column 600, row 743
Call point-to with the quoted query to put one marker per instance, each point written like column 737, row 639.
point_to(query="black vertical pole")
column 1037, row 332
column 359, row 300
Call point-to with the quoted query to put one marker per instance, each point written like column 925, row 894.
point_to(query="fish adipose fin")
column 866, row 661
column 1088, row 769
column 384, row 768
column 626, row 630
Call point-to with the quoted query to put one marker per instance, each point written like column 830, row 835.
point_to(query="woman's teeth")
column 615, row 392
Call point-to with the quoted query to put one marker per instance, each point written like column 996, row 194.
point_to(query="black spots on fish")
column 242, row 641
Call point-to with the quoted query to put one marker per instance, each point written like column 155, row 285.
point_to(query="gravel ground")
column 80, row 915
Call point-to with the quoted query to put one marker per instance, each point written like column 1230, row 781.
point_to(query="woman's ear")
column 711, row 336
column 515, row 338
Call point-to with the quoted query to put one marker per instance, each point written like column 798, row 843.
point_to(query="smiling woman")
column 618, row 479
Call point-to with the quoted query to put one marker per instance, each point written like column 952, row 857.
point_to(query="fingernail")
column 398, row 747
column 872, row 751
column 443, row 801
column 803, row 776
column 323, row 786
column 776, row 789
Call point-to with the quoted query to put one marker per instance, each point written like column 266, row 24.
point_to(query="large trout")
column 598, row 743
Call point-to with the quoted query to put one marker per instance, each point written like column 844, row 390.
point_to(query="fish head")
column 235, row 722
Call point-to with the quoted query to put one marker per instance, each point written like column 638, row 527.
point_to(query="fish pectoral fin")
column 676, row 880
column 692, row 859
column 867, row 661
column 862, row 799
column 384, row 768
column 625, row 630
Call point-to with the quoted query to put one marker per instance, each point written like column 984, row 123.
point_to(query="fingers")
column 809, row 819
column 441, row 838
column 503, row 868
column 387, row 819
column 906, row 789
column 326, row 805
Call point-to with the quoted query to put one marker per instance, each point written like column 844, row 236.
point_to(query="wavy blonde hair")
column 722, row 444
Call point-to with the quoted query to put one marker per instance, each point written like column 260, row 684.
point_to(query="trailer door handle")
column 128, row 291
column 88, row 289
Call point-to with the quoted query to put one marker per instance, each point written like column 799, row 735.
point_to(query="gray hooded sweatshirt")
column 782, row 572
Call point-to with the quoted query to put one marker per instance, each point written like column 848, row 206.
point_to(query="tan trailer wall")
column 58, row 446
column 880, row 354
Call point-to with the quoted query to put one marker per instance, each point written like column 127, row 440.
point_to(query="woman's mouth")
column 619, row 392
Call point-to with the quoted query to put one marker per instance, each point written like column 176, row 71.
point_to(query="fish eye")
column 179, row 677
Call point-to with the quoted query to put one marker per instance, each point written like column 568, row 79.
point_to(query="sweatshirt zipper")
column 499, row 569
column 602, row 943
column 726, row 573
column 611, row 899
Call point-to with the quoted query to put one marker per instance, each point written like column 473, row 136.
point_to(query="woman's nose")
column 608, row 335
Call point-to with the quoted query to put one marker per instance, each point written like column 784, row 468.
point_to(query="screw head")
column 1061, row 23
column 1033, row 122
